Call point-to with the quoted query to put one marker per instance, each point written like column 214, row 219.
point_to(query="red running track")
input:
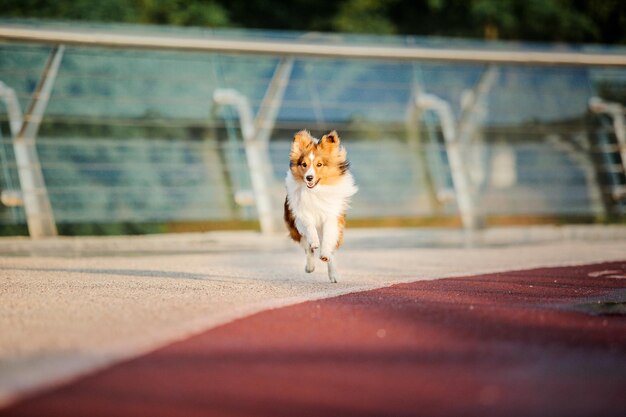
column 505, row 344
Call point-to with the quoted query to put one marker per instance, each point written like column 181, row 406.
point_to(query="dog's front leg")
column 309, row 233
column 330, row 235
column 310, row 256
column 332, row 269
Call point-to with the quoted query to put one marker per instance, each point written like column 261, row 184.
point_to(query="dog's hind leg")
column 310, row 256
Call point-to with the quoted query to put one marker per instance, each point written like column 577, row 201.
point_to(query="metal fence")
column 122, row 124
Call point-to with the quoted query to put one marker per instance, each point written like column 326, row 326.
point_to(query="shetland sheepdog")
column 319, row 187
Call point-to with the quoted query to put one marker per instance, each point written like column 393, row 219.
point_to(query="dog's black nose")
column 309, row 178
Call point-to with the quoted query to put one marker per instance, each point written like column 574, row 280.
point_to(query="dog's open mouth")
column 312, row 185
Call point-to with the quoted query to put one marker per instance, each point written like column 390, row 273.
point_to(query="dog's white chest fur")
column 321, row 203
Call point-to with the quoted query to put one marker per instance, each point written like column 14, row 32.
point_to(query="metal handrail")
column 303, row 48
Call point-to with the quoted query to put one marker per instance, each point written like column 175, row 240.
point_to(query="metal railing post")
column 460, row 178
column 268, row 111
column 616, row 112
column 417, row 147
column 34, row 193
column 254, row 155
column 11, row 197
column 13, row 108
column 256, row 133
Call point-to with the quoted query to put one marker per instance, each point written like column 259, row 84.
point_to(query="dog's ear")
column 301, row 141
column 330, row 139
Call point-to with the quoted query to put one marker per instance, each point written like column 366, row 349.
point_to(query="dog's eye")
column 319, row 164
column 304, row 164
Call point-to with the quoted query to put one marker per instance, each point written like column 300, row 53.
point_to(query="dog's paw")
column 308, row 268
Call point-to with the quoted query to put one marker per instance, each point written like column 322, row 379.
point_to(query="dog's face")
column 317, row 162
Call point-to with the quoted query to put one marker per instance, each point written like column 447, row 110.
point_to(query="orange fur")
column 341, row 222
column 329, row 160
column 290, row 221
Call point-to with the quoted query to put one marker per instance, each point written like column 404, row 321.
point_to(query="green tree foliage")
column 182, row 12
column 533, row 20
column 599, row 21
column 299, row 15
column 363, row 16
column 174, row 12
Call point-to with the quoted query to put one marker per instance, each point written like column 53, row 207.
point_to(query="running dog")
column 319, row 187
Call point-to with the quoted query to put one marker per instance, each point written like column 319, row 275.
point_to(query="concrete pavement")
column 71, row 306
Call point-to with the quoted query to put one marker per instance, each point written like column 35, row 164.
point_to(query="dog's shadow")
column 144, row 273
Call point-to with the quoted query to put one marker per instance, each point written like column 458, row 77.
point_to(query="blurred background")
column 138, row 140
